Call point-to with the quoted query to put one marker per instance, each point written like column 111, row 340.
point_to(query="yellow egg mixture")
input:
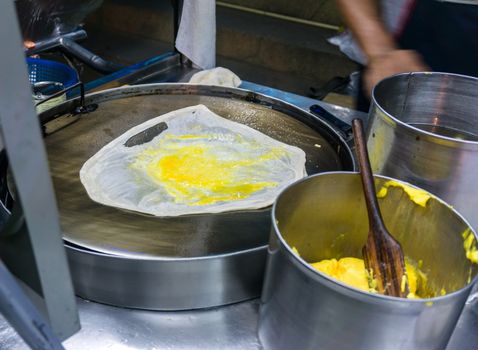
column 416, row 195
column 421, row 198
column 196, row 173
column 352, row 271
column 469, row 243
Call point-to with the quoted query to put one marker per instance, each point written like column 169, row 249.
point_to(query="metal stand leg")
column 23, row 316
column 46, row 271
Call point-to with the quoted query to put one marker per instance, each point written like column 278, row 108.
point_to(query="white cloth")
column 218, row 76
column 197, row 32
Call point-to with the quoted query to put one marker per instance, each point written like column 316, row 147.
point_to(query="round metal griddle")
column 134, row 260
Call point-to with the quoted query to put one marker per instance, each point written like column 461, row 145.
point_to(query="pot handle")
column 344, row 129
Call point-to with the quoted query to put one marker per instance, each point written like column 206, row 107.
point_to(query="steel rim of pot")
column 164, row 258
column 406, row 126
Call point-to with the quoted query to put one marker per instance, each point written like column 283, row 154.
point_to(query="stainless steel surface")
column 113, row 328
column 443, row 165
column 342, row 113
column 228, row 327
column 129, row 234
column 33, row 250
column 190, row 261
column 159, row 69
column 167, row 284
column 324, row 217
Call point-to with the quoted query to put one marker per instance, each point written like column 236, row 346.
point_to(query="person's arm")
column 363, row 19
column 384, row 57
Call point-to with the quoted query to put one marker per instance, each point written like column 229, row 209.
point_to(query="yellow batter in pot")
column 352, row 272
column 416, row 195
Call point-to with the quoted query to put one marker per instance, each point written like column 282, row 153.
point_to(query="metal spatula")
column 382, row 254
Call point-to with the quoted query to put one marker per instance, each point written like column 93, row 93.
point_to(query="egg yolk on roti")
column 196, row 173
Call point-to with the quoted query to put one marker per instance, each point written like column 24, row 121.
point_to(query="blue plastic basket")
column 44, row 70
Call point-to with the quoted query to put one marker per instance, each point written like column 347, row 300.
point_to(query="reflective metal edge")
column 167, row 284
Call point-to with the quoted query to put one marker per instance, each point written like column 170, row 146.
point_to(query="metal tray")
column 133, row 260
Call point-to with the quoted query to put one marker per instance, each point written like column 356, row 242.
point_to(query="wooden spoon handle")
column 375, row 218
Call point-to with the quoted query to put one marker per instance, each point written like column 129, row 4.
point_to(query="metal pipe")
column 54, row 42
column 23, row 316
column 278, row 16
column 88, row 57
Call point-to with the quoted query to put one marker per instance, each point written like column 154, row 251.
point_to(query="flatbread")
column 218, row 76
column 191, row 161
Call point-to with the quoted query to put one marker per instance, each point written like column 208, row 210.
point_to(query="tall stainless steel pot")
column 447, row 164
column 324, row 216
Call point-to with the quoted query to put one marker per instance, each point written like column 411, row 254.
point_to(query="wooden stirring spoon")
column 382, row 254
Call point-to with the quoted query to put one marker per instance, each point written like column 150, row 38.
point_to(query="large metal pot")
column 423, row 129
column 324, row 216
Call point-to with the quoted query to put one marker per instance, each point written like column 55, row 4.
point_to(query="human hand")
column 390, row 63
column 28, row 44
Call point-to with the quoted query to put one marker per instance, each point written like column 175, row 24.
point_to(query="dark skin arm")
column 384, row 57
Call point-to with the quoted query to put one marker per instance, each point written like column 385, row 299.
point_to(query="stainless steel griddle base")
column 195, row 261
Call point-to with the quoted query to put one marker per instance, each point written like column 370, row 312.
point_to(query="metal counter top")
column 227, row 327
column 107, row 327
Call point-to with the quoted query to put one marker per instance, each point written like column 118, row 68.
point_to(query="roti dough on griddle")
column 191, row 161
